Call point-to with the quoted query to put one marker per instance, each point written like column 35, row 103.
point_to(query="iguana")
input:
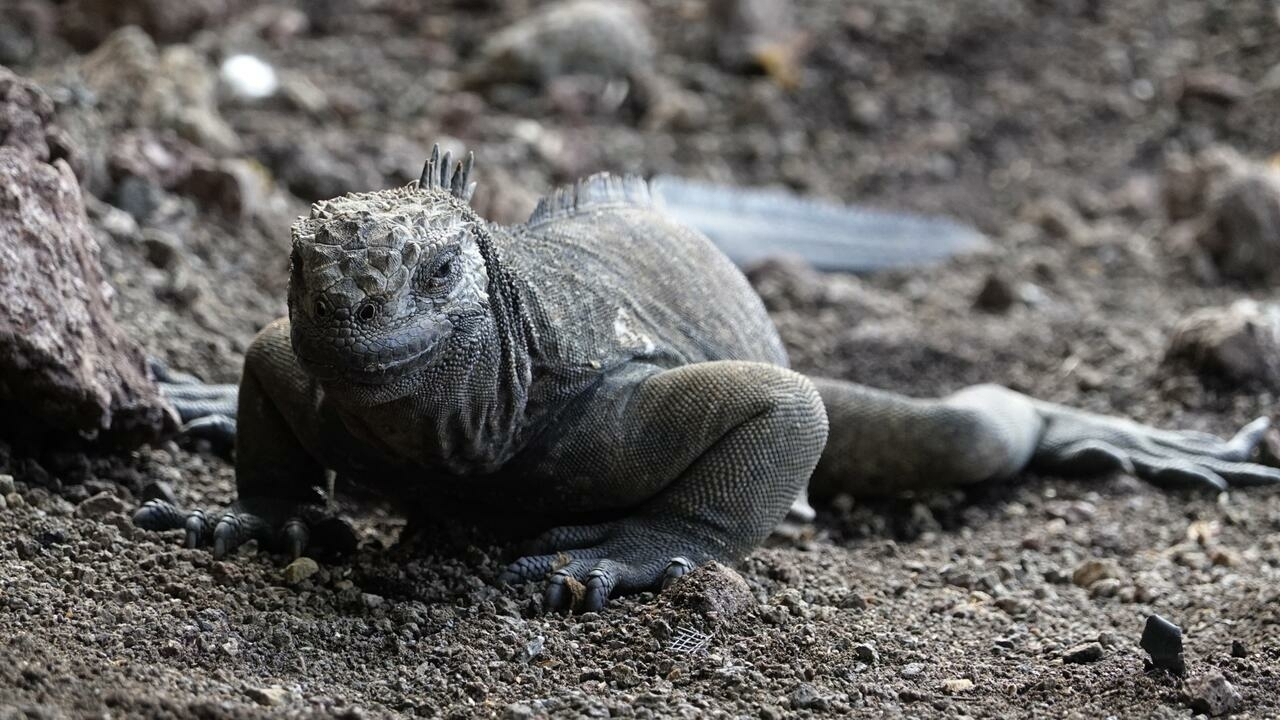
column 604, row 374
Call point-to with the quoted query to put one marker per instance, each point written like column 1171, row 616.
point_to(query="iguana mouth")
column 380, row 373
column 325, row 359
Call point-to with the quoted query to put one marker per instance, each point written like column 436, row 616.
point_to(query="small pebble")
column 867, row 653
column 249, row 77
column 1212, row 695
column 300, row 569
column 159, row 490
column 1106, row 587
column 534, row 648
column 1091, row 571
column 268, row 696
column 1085, row 653
column 853, row 601
column 517, row 711
column 1238, row 649
column 102, row 504
column 807, row 697
column 957, row 685
column 6, row 484
column 1239, row 343
column 996, row 295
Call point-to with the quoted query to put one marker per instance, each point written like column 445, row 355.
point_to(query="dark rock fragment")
column 1163, row 642
column 996, row 295
column 159, row 490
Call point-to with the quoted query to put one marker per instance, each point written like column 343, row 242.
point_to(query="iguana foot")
column 290, row 527
column 1076, row 442
column 585, row 565
column 208, row 412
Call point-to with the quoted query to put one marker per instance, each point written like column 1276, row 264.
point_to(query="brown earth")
column 1045, row 124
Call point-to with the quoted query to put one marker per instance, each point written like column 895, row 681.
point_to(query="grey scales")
column 601, row 377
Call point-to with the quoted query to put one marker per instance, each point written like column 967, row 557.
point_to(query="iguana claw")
column 228, row 530
column 620, row 558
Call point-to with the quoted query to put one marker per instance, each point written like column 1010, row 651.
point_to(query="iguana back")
column 617, row 280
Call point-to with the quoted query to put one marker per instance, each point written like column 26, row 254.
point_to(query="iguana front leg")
column 702, row 461
column 883, row 444
column 279, row 482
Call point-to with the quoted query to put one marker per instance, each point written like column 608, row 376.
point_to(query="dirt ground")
column 1046, row 124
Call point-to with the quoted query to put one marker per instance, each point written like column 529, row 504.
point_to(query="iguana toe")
column 537, row 567
column 235, row 528
column 587, row 585
column 676, row 569
column 1077, row 443
column 304, row 526
column 585, row 565
column 158, row 515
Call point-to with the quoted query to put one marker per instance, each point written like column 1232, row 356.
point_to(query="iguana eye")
column 444, row 271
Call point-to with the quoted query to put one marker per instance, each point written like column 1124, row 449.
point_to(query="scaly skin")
column 603, row 374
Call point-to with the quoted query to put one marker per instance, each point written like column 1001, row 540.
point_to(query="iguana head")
column 386, row 284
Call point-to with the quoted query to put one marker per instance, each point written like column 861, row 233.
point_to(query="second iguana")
column 602, row 374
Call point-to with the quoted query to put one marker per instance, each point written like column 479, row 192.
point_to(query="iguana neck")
column 512, row 353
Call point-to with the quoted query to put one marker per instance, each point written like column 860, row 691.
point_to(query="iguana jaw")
column 404, row 351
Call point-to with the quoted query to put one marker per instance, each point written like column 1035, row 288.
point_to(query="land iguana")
column 602, row 373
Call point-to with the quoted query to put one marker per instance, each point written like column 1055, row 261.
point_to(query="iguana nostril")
column 367, row 311
column 322, row 308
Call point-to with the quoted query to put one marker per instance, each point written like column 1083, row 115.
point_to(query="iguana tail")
column 752, row 224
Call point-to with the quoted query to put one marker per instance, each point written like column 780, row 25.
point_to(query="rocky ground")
column 1090, row 140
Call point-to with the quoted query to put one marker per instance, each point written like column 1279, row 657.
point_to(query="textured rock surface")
column 599, row 38
column 1230, row 206
column 63, row 360
column 137, row 84
column 1213, row 695
column 1239, row 343
column 713, row 590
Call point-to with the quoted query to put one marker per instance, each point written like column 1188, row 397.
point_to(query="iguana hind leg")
column 882, row 443
column 702, row 461
column 207, row 412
